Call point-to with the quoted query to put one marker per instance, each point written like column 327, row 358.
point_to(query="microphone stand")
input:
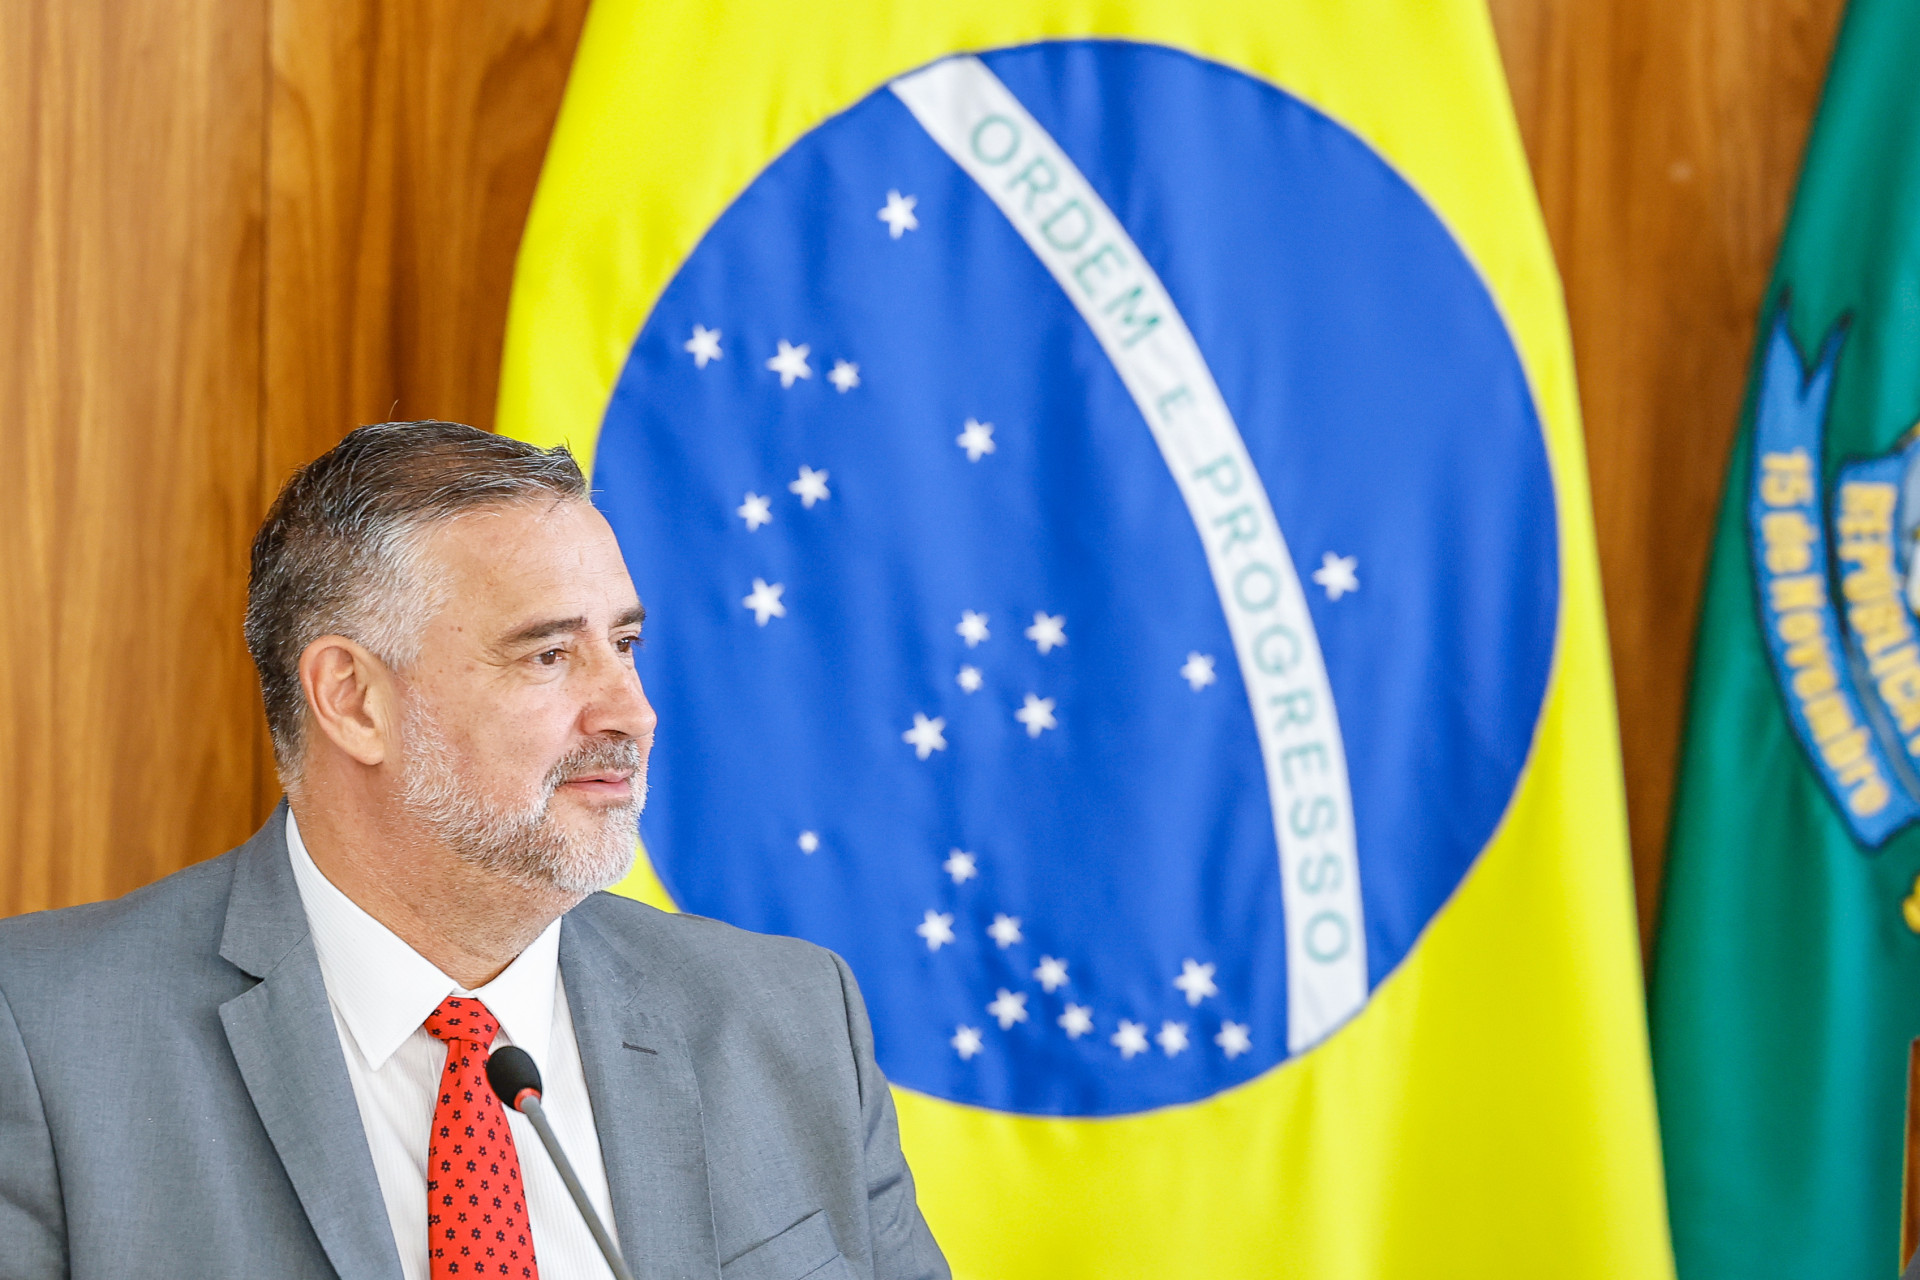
column 513, row 1075
column 530, row 1107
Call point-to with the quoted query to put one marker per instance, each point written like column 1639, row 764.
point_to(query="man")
column 270, row 1064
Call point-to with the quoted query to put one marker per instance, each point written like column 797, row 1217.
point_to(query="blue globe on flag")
column 1101, row 585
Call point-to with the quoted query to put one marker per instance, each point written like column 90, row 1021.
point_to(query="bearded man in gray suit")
column 265, row 1065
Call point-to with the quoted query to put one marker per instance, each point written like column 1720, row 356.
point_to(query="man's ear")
column 352, row 698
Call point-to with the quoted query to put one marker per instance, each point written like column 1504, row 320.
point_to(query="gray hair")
column 339, row 552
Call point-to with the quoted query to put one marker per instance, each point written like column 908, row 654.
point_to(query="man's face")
column 526, row 728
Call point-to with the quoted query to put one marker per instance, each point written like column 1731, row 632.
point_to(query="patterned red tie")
column 476, row 1210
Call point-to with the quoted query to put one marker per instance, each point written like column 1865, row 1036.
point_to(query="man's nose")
column 618, row 704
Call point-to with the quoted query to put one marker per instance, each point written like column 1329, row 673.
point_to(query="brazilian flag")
column 1106, row 484
column 1787, row 985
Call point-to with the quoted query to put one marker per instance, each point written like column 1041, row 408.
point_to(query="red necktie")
column 476, row 1209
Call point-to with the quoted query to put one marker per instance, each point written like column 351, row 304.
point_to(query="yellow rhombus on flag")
column 1263, row 907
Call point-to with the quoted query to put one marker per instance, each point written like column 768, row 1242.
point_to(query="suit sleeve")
column 903, row 1247
column 32, row 1219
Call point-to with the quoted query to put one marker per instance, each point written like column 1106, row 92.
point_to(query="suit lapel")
column 283, row 1039
column 646, row 1108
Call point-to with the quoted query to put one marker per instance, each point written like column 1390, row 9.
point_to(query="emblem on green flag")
column 1838, row 620
column 1787, row 974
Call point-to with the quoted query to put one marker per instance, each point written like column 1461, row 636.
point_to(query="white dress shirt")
column 381, row 991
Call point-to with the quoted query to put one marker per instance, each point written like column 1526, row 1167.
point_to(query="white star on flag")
column 809, row 842
column 703, row 346
column 756, row 511
column 1005, row 930
column 790, row 362
column 1233, row 1039
column 1051, row 975
column 1130, row 1039
column 965, row 1042
column 1009, row 1007
column 1077, row 1020
column 810, row 487
column 898, row 215
column 1036, row 713
column 976, row 439
column 845, row 376
column 1172, row 1038
column 765, row 601
column 937, row 929
column 1196, row 980
column 1198, row 672
column 1047, row 633
column 969, row 679
column 1336, row 574
column 927, row 735
column 972, row 628
column 959, row 865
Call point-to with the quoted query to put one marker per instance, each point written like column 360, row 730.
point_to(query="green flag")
column 1787, row 980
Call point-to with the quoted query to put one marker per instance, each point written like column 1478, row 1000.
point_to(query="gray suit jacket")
column 173, row 1099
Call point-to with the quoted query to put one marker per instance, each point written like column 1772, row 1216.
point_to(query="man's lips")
column 614, row 782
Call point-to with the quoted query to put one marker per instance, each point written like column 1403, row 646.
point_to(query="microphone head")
column 511, row 1072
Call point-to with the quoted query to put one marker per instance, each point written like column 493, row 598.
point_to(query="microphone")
column 516, row 1079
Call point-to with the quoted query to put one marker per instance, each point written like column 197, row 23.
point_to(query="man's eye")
column 627, row 644
column 550, row 657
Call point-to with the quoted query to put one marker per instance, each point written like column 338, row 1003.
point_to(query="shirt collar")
column 383, row 989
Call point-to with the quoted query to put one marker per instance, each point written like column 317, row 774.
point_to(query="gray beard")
column 524, row 844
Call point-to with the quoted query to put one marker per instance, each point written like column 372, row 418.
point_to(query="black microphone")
column 513, row 1076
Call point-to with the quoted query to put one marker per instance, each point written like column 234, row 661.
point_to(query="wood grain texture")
column 1665, row 138
column 407, row 140
column 131, row 213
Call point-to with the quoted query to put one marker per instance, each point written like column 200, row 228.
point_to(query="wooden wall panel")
column 1665, row 138
column 131, row 211
column 407, row 140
